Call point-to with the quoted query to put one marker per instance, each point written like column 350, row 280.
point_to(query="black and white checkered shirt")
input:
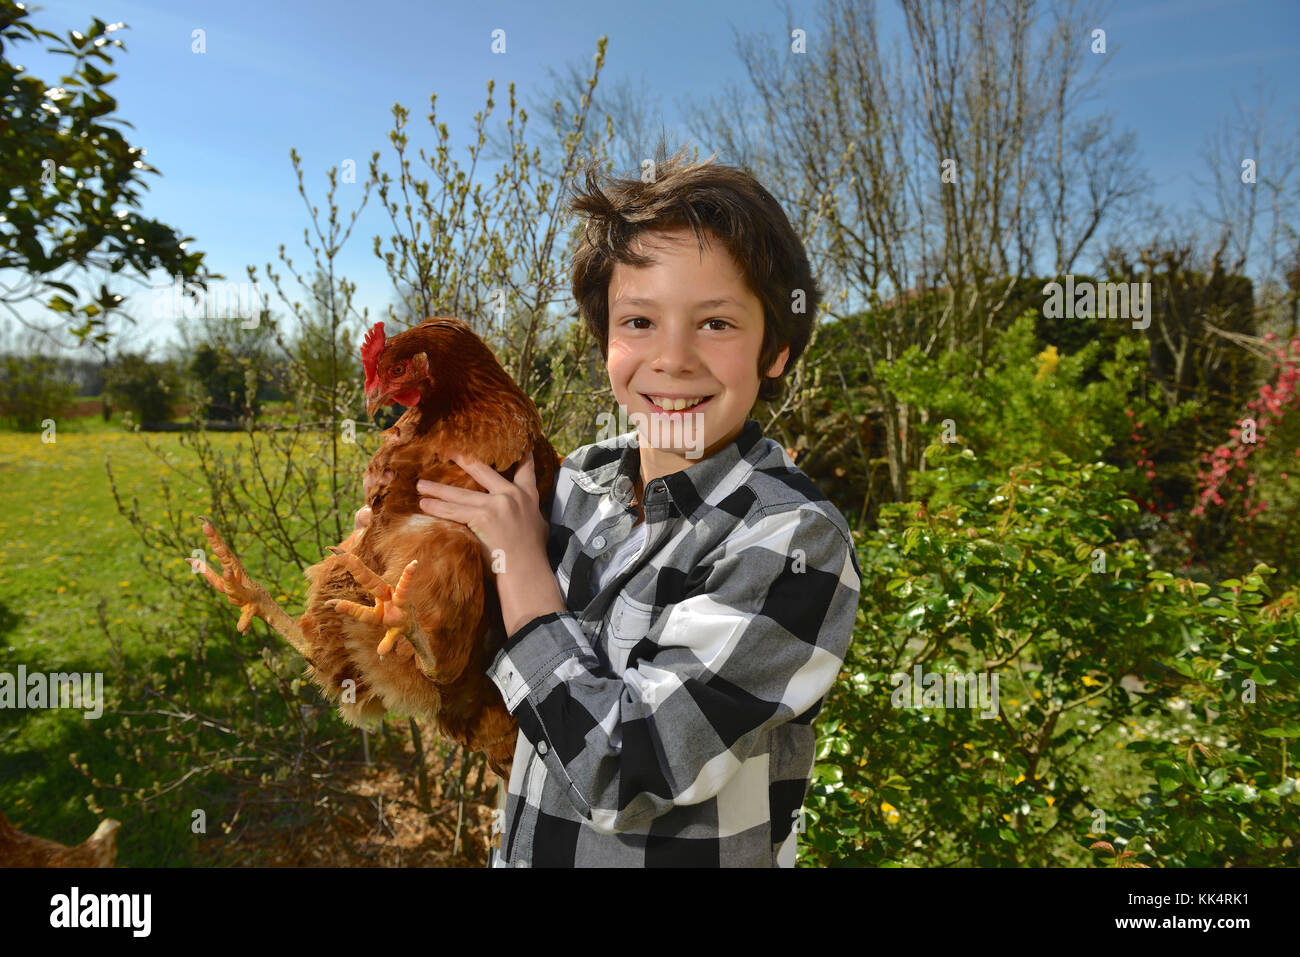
column 667, row 720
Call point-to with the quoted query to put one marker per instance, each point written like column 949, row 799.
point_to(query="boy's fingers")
column 449, row 493
column 363, row 516
column 482, row 473
column 525, row 475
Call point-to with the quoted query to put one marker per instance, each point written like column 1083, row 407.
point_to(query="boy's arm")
column 759, row 643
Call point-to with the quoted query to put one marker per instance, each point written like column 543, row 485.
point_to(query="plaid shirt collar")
column 684, row 486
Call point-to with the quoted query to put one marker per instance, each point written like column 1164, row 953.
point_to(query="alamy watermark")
column 75, row 909
column 931, row 689
column 221, row 300
column 685, row 431
column 1082, row 300
column 54, row 690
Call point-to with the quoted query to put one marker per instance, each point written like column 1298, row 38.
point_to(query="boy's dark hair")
column 727, row 201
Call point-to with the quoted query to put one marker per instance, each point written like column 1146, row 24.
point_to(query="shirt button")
column 622, row 490
column 598, row 541
column 541, row 747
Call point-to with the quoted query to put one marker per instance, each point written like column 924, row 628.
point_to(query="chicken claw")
column 392, row 604
column 234, row 582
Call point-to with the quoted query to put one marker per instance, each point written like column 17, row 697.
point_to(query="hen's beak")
column 376, row 398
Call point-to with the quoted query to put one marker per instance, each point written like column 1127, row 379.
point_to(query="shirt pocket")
column 629, row 620
column 629, row 624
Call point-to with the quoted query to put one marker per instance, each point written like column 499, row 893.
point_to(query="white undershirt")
column 617, row 558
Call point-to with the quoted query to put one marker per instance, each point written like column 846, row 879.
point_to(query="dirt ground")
column 374, row 820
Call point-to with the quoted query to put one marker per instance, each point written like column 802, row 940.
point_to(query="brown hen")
column 23, row 850
column 409, row 575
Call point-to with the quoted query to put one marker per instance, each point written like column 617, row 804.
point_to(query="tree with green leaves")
column 73, row 182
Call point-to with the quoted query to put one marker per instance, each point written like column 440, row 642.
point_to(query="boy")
column 673, row 633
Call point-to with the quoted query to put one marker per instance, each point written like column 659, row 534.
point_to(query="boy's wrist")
column 527, row 589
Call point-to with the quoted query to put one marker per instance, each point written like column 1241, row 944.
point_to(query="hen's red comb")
column 370, row 350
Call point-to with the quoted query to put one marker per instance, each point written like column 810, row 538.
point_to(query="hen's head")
column 395, row 370
column 441, row 356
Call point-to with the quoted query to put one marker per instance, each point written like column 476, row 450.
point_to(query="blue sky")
column 322, row 77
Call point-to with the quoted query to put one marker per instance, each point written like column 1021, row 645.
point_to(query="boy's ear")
column 778, row 364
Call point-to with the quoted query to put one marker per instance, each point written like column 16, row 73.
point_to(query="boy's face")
column 675, row 343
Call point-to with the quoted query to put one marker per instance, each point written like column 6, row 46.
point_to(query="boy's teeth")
column 673, row 405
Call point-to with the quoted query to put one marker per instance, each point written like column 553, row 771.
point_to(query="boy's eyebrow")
column 709, row 303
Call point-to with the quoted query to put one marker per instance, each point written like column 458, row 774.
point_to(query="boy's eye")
column 631, row 319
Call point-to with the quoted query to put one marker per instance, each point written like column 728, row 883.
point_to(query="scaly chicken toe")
column 234, row 582
column 251, row 598
column 392, row 604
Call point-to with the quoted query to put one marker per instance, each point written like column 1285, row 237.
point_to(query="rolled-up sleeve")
column 759, row 642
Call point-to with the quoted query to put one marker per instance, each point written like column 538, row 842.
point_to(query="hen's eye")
column 397, row 369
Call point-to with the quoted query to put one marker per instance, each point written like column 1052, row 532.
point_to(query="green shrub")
column 1024, row 579
column 31, row 390
column 148, row 389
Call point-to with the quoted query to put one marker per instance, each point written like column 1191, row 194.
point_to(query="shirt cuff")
column 531, row 655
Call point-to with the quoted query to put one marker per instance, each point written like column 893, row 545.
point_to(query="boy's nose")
column 676, row 354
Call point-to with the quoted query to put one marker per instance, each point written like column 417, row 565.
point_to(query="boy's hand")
column 361, row 520
column 363, row 516
column 506, row 518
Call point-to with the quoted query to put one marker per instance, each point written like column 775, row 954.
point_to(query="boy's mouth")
column 697, row 406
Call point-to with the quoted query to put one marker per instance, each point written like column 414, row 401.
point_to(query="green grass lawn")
column 65, row 546
column 65, row 550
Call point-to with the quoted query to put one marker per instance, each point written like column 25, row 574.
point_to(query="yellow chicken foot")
column 251, row 598
column 392, row 604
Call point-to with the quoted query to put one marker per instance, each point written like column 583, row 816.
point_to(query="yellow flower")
column 1019, row 779
column 1050, row 800
column 1013, row 702
column 1007, row 818
column 891, row 814
column 1038, row 694
column 1089, row 681
column 1048, row 360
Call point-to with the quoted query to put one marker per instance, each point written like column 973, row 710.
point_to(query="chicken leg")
column 392, row 608
column 252, row 598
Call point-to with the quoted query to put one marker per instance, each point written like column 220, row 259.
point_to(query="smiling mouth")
column 690, row 408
